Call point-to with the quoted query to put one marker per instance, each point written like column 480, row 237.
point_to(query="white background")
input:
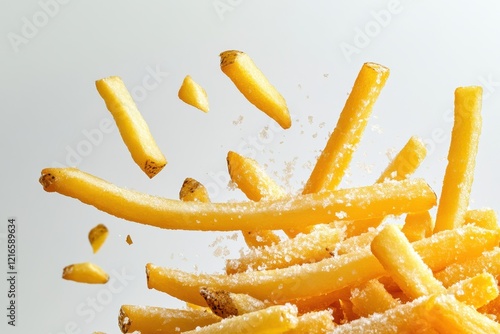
column 52, row 53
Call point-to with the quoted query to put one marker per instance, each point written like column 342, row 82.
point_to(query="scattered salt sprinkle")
column 341, row 214
column 238, row 121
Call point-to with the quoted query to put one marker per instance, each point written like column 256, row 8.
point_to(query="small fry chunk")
column 129, row 240
column 192, row 190
column 404, row 264
column 371, row 297
column 227, row 304
column 193, row 94
column 132, row 126
column 418, row 226
column 337, row 154
column 85, row 272
column 252, row 83
column 274, row 319
column 457, row 182
column 97, row 236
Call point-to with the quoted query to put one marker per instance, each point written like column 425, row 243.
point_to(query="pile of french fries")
column 341, row 267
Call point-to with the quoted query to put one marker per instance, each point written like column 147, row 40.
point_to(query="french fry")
column 485, row 218
column 403, row 263
column 457, row 182
column 418, row 226
column 256, row 185
column 319, row 322
column 475, row 291
column 417, row 316
column 355, row 243
column 489, row 262
column 151, row 319
column 447, row 315
column 274, row 319
column 330, row 275
column 192, row 190
column 193, row 94
column 256, row 88
column 227, row 304
column 371, row 297
column 337, row 154
column 304, row 248
column 250, row 178
column 85, row 272
column 364, row 202
column 97, row 236
column 132, row 126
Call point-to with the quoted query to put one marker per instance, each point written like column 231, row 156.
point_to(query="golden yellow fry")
column 476, row 291
column 85, row 272
column 371, row 297
column 304, row 248
column 401, row 166
column 132, row 126
column 319, row 322
column 256, row 185
column 274, row 319
column 459, row 175
column 356, row 203
column 447, row 315
column 252, row 83
column 330, row 275
column 276, row 285
column 355, row 243
column 418, row 226
column 193, row 94
column 485, row 218
column 227, row 304
column 488, row 261
column 337, row 154
column 415, row 316
column 192, row 190
column 403, row 263
column 250, row 178
column 151, row 319
column 97, row 236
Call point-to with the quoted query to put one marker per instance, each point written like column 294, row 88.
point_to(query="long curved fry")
column 357, row 203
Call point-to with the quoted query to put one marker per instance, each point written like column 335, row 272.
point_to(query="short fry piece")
column 274, row 319
column 404, row 264
column 447, row 315
column 85, row 272
column 193, row 94
column 418, row 226
column 319, row 322
column 304, row 248
column 459, row 175
column 192, row 190
column 252, row 83
column 304, row 210
column 152, row 319
column 97, row 236
column 371, row 297
column 227, row 304
column 337, row 154
column 485, row 218
column 132, row 126
column 476, row 291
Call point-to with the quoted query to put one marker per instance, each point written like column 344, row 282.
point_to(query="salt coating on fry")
column 340, row 267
